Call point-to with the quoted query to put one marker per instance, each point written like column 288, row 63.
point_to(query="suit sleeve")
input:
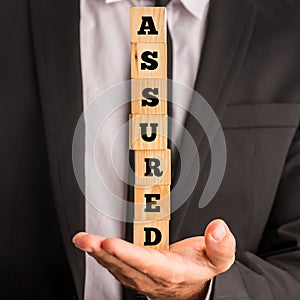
column 274, row 271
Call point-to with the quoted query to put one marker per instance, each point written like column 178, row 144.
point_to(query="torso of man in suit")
column 249, row 74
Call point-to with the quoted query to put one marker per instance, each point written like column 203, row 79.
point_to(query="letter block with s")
column 148, row 25
column 148, row 60
column 149, row 96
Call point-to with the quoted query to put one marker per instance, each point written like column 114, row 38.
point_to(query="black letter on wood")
column 149, row 62
column 144, row 135
column 148, row 241
column 150, row 203
column 153, row 164
column 147, row 94
column 148, row 25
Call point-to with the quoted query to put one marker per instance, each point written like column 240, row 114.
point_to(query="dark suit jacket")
column 249, row 73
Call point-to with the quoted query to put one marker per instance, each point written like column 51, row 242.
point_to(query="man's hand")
column 183, row 272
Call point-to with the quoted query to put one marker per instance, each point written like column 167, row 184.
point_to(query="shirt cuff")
column 208, row 292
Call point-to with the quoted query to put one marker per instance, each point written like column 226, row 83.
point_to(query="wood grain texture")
column 159, row 18
column 160, row 209
column 148, row 126
column 136, row 142
column 163, row 157
column 139, row 233
column 140, row 85
column 136, row 60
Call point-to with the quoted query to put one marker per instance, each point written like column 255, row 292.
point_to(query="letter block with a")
column 152, row 234
column 148, row 25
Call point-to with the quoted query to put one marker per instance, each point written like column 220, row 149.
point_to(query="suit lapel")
column 229, row 28
column 55, row 28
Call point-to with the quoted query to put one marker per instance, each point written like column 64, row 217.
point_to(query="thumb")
column 220, row 245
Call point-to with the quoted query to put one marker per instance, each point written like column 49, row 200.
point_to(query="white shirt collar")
column 112, row 1
column 196, row 7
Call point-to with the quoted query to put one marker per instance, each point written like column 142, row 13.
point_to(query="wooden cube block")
column 152, row 167
column 152, row 234
column 152, row 203
column 148, row 60
column 149, row 96
column 148, row 25
column 148, row 132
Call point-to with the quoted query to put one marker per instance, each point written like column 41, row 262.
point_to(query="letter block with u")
column 148, row 132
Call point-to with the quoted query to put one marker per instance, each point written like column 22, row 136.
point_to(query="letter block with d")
column 152, row 234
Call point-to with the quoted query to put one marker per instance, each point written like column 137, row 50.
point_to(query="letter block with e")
column 152, row 203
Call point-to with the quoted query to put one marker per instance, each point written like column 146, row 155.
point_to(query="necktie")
column 161, row 2
column 175, row 154
column 169, row 60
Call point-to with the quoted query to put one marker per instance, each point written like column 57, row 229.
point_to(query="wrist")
column 203, row 292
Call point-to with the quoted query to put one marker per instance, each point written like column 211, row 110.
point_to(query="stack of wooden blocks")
column 149, row 126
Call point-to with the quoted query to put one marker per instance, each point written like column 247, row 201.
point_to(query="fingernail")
column 78, row 236
column 77, row 245
column 76, row 242
column 219, row 233
column 88, row 250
